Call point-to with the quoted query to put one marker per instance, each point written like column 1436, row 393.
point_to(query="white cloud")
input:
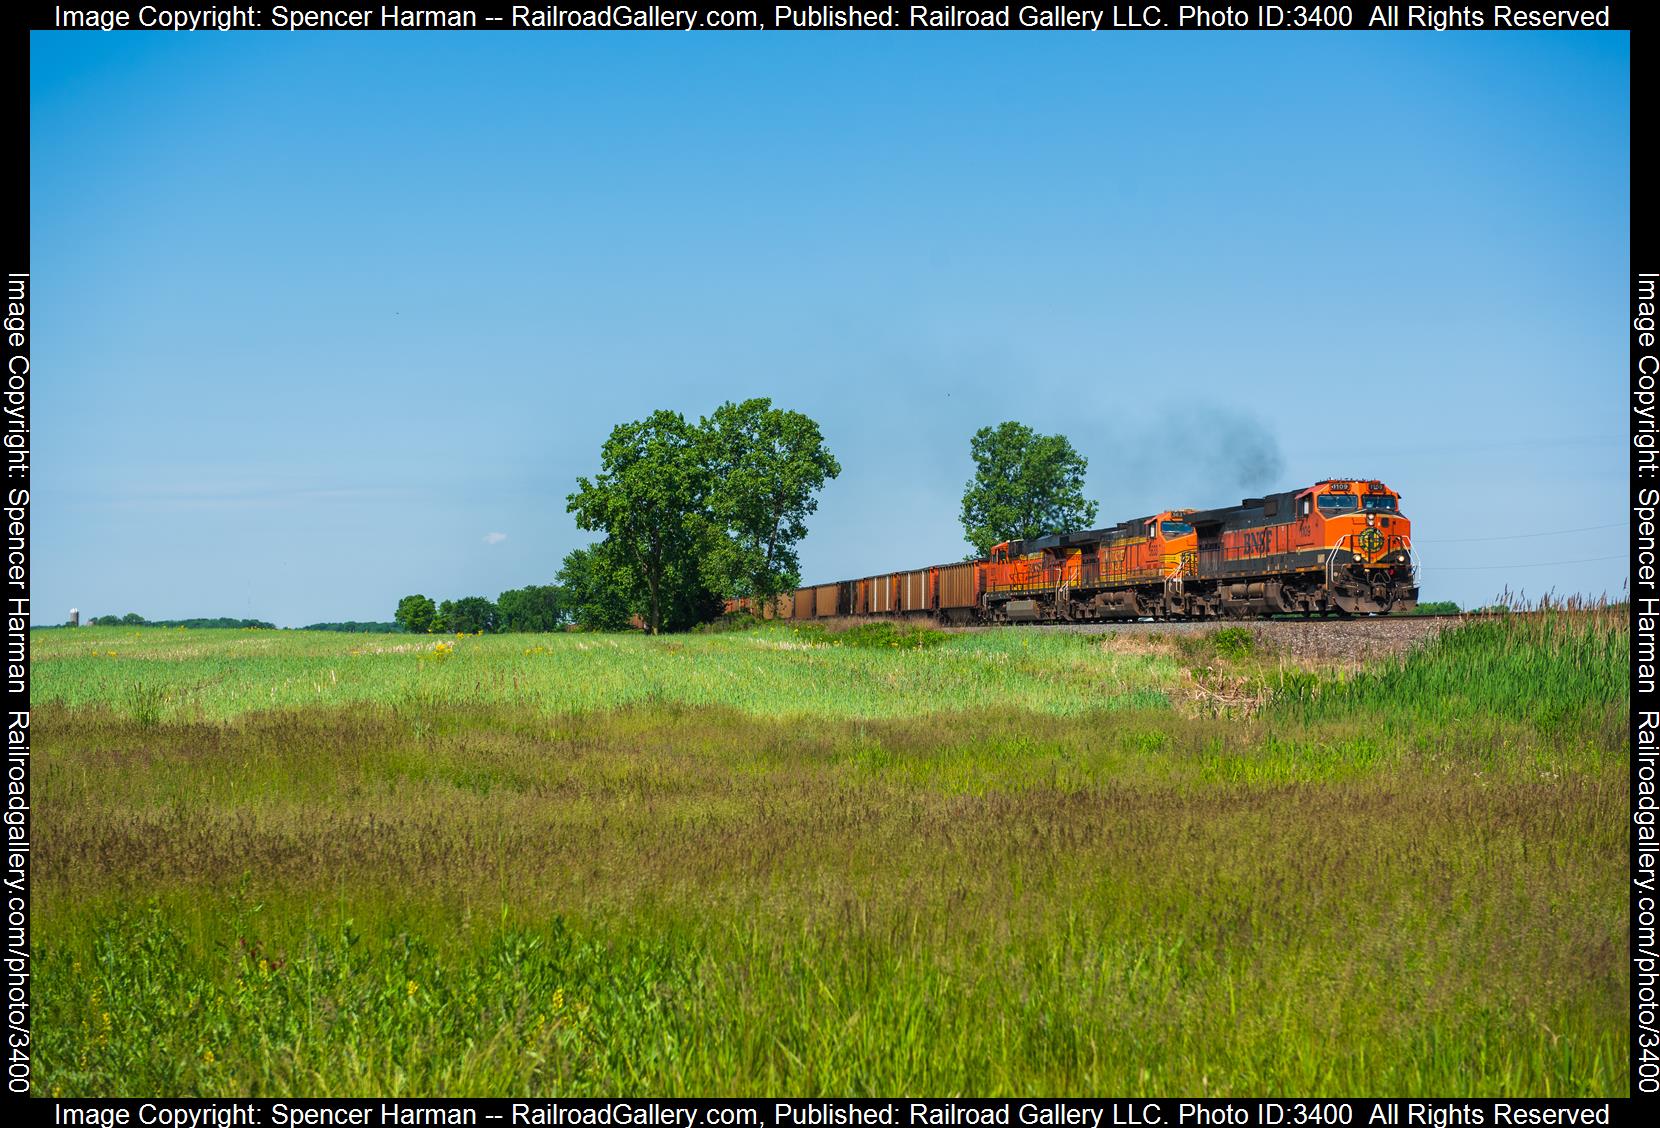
column 494, row 538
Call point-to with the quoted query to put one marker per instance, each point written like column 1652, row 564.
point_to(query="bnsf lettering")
column 1257, row 542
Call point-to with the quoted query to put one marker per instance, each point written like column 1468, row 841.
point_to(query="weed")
column 1233, row 642
column 144, row 703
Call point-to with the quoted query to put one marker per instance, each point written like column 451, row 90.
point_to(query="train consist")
column 1340, row 546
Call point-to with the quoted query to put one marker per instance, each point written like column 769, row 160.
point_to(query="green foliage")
column 416, row 613
column 887, row 636
column 694, row 600
column 731, row 621
column 1025, row 485
column 522, row 609
column 535, row 608
column 766, row 466
column 596, row 588
column 694, row 513
column 650, row 499
column 1234, row 642
column 1436, row 607
column 472, row 614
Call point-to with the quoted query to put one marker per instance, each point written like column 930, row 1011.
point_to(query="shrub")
column 887, row 636
column 1234, row 642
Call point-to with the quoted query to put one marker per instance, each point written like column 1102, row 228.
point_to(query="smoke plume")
column 1235, row 450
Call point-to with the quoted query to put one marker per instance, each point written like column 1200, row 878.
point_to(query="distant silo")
column 74, row 616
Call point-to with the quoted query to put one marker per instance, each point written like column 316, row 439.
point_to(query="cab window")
column 1382, row 502
column 1177, row 529
column 1338, row 503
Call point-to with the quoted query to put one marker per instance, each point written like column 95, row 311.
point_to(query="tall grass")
column 876, row 671
column 1548, row 665
column 468, row 890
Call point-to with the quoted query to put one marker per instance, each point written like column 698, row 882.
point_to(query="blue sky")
column 317, row 314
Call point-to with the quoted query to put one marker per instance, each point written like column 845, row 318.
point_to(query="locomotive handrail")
column 1331, row 562
column 1174, row 590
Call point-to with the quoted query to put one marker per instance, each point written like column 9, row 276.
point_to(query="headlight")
column 1357, row 557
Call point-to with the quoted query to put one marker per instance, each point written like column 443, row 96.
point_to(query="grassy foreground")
column 996, row 863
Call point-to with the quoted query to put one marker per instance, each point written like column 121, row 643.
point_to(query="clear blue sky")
column 319, row 318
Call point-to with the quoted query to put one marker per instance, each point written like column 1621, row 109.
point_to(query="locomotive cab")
column 1366, row 541
column 1178, row 542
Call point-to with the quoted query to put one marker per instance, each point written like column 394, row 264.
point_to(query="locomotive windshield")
column 1339, row 503
column 1380, row 501
column 1177, row 529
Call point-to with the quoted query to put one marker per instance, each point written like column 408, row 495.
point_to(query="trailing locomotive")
column 1340, row 546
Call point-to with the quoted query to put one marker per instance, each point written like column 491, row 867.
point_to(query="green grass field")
column 781, row 861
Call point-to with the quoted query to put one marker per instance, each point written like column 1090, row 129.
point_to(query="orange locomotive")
column 1119, row 573
column 1340, row 546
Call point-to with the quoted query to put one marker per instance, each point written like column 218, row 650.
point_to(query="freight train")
column 1338, row 547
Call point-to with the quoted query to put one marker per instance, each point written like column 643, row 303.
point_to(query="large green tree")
column 416, row 613
column 651, row 498
column 1025, row 485
column 534, row 608
column 765, row 467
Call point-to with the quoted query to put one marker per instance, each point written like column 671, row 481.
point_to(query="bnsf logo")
column 1257, row 542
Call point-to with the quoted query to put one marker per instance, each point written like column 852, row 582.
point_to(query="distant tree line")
column 539, row 607
column 134, row 619
column 356, row 628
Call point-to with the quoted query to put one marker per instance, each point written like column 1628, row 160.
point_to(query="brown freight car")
column 881, row 595
column 916, row 590
column 959, row 588
column 827, row 600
